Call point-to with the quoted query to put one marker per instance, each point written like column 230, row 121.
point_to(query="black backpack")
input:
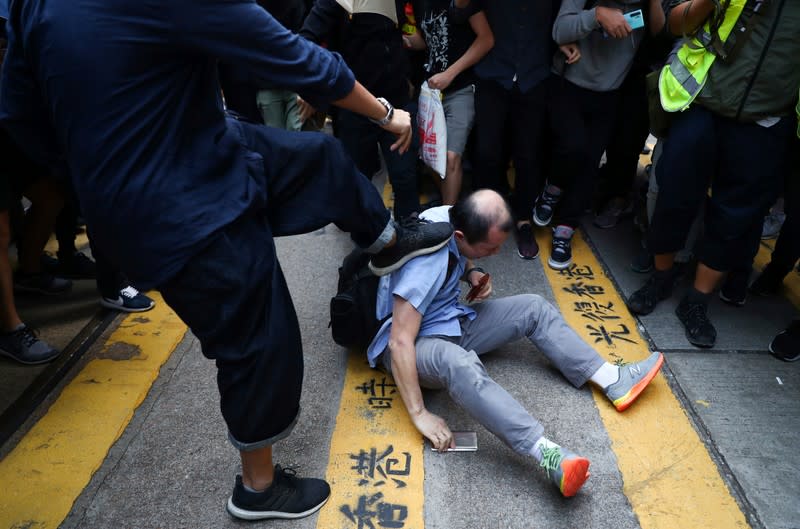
column 353, row 322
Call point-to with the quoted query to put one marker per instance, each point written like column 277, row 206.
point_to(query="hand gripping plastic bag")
column 432, row 129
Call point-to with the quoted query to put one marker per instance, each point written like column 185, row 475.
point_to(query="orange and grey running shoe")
column 633, row 378
column 565, row 469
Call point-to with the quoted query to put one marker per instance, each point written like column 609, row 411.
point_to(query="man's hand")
column 474, row 280
column 306, row 110
column 434, row 429
column 440, row 81
column 612, row 21
column 400, row 126
column 572, row 52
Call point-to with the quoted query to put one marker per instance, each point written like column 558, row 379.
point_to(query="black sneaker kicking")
column 694, row 316
column 527, row 248
column 657, row 288
column 23, row 346
column 561, row 255
column 786, row 346
column 770, row 281
column 734, row 289
column 40, row 283
column 289, row 497
column 414, row 238
column 545, row 207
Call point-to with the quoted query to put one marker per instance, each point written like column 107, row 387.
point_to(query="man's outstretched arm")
column 406, row 322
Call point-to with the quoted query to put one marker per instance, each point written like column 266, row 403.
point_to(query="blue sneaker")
column 566, row 470
column 128, row 300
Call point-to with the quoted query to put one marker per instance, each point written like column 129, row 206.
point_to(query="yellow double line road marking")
column 49, row 468
column 668, row 475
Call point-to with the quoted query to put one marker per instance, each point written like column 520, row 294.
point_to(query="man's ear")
column 459, row 235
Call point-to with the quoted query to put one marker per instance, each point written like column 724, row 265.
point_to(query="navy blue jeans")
column 741, row 162
column 233, row 294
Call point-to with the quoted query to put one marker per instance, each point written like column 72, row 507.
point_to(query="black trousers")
column 581, row 122
column 502, row 114
column 742, row 162
column 233, row 294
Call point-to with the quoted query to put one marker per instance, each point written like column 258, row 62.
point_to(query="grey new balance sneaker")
column 289, row 497
column 565, row 469
column 633, row 378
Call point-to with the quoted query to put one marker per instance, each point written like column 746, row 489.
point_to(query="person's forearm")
column 484, row 41
column 657, row 18
column 688, row 16
column 404, row 371
column 361, row 101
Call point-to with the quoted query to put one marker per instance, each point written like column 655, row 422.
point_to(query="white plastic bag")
column 432, row 129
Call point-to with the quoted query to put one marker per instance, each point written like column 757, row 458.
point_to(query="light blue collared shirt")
column 424, row 282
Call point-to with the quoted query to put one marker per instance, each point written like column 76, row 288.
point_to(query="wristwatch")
column 389, row 113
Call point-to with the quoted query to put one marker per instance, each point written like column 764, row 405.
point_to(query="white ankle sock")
column 542, row 443
column 606, row 375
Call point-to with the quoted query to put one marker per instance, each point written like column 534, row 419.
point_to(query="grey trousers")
column 453, row 363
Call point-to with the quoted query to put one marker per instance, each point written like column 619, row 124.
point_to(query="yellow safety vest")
column 687, row 70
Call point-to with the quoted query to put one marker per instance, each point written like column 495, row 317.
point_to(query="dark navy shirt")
column 124, row 94
column 523, row 46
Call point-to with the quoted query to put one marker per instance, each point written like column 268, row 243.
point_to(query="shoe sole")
column 28, row 362
column 732, row 302
column 244, row 514
column 539, row 222
column 557, row 265
column 406, row 258
column 527, row 258
column 114, row 306
column 575, row 472
column 624, row 402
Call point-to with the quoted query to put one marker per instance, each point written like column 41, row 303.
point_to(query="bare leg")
column 47, row 202
column 257, row 468
column 9, row 319
column 451, row 186
column 706, row 279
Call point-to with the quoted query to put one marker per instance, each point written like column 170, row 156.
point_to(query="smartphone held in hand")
column 635, row 19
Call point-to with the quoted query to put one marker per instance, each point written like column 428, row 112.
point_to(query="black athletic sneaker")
column 288, row 497
column 658, row 287
column 694, row 316
column 414, row 238
column 786, row 346
column 527, row 248
column 734, row 289
column 25, row 347
column 561, row 255
column 545, row 207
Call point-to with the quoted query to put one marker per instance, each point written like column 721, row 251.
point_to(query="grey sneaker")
column 565, row 469
column 23, row 346
column 414, row 238
column 633, row 378
column 289, row 497
column 772, row 225
column 41, row 283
